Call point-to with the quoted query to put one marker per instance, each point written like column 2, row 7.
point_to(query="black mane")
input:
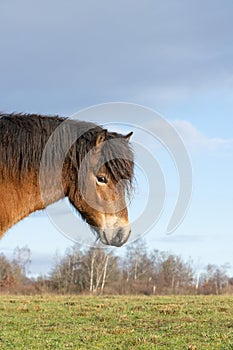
column 24, row 136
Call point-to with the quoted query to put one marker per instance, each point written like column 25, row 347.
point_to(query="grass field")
column 81, row 322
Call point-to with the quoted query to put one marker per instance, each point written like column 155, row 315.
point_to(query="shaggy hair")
column 23, row 138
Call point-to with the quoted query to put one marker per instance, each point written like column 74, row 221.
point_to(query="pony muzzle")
column 115, row 237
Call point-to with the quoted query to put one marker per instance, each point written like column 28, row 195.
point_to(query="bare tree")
column 23, row 258
column 214, row 279
column 67, row 275
column 99, row 266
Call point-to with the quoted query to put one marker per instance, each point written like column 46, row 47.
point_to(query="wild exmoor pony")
column 96, row 172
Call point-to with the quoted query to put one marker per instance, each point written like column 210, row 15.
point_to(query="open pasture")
column 86, row 322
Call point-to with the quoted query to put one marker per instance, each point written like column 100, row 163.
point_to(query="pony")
column 90, row 165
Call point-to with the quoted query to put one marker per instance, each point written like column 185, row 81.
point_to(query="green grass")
column 81, row 322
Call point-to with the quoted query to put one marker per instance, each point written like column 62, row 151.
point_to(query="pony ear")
column 101, row 137
column 127, row 137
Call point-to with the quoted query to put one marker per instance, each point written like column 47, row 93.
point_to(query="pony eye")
column 102, row 179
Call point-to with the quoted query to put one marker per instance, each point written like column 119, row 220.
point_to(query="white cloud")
column 195, row 140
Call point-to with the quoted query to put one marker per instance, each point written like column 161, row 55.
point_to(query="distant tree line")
column 13, row 273
column 98, row 271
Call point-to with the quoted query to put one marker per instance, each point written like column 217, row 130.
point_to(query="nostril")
column 119, row 236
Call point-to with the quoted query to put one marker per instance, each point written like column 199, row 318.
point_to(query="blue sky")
column 174, row 57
